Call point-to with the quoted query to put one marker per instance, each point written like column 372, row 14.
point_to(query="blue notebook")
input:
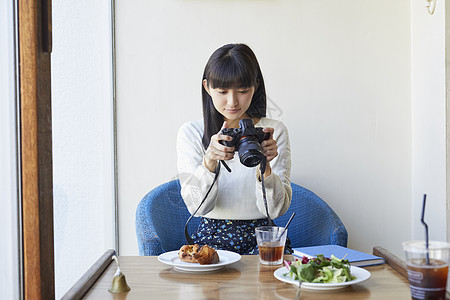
column 356, row 258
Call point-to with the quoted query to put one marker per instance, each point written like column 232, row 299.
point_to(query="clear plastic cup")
column 271, row 241
column 427, row 269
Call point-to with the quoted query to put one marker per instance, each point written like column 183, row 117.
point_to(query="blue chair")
column 161, row 215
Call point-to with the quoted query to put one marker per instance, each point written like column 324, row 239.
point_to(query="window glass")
column 83, row 145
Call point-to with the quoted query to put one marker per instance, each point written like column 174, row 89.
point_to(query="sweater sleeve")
column 277, row 184
column 195, row 178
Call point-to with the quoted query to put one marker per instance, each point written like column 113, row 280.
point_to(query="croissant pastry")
column 204, row 255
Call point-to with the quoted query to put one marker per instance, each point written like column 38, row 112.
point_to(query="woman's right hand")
column 216, row 151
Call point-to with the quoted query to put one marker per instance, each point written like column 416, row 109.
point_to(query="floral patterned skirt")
column 232, row 235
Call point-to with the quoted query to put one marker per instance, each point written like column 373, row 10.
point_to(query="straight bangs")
column 229, row 74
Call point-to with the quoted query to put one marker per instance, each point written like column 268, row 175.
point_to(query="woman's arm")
column 277, row 184
column 195, row 178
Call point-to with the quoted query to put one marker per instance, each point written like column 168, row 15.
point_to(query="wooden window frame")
column 34, row 30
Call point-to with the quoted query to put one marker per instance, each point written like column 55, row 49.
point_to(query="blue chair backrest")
column 161, row 215
column 315, row 223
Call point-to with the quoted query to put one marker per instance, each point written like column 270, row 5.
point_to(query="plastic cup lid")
column 420, row 247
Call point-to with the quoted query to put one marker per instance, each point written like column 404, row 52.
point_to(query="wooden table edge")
column 391, row 259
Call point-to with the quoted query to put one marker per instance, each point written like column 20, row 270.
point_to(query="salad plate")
column 360, row 274
column 225, row 258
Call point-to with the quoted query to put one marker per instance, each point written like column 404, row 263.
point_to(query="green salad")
column 320, row 269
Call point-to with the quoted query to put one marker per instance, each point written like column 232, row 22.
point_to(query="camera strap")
column 226, row 166
column 186, row 234
column 262, row 168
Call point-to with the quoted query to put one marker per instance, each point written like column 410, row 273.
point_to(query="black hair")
column 231, row 66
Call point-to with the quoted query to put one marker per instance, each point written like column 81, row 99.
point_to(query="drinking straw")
column 285, row 227
column 426, row 229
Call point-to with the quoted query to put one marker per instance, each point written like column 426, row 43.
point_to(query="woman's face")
column 231, row 103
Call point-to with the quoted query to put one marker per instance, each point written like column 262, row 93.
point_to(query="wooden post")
column 36, row 148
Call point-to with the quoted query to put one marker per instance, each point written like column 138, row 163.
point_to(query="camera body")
column 247, row 141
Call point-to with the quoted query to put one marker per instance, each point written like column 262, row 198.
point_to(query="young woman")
column 232, row 90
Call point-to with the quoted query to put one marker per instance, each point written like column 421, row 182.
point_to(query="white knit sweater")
column 236, row 195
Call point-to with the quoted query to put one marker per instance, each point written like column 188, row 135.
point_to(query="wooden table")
column 247, row 279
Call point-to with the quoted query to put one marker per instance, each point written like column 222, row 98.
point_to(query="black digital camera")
column 247, row 141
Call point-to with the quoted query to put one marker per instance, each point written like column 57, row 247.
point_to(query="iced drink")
column 427, row 269
column 271, row 242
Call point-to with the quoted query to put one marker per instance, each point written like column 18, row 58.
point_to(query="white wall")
column 429, row 119
column 338, row 73
column 83, row 152
column 9, row 233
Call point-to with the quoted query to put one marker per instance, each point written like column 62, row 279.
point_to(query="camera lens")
column 250, row 151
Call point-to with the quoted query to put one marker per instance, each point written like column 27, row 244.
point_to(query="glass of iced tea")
column 271, row 240
column 427, row 268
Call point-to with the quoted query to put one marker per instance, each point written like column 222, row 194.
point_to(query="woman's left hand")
column 270, row 148
column 270, row 151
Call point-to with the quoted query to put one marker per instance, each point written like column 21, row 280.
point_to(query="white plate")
column 361, row 275
column 225, row 258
